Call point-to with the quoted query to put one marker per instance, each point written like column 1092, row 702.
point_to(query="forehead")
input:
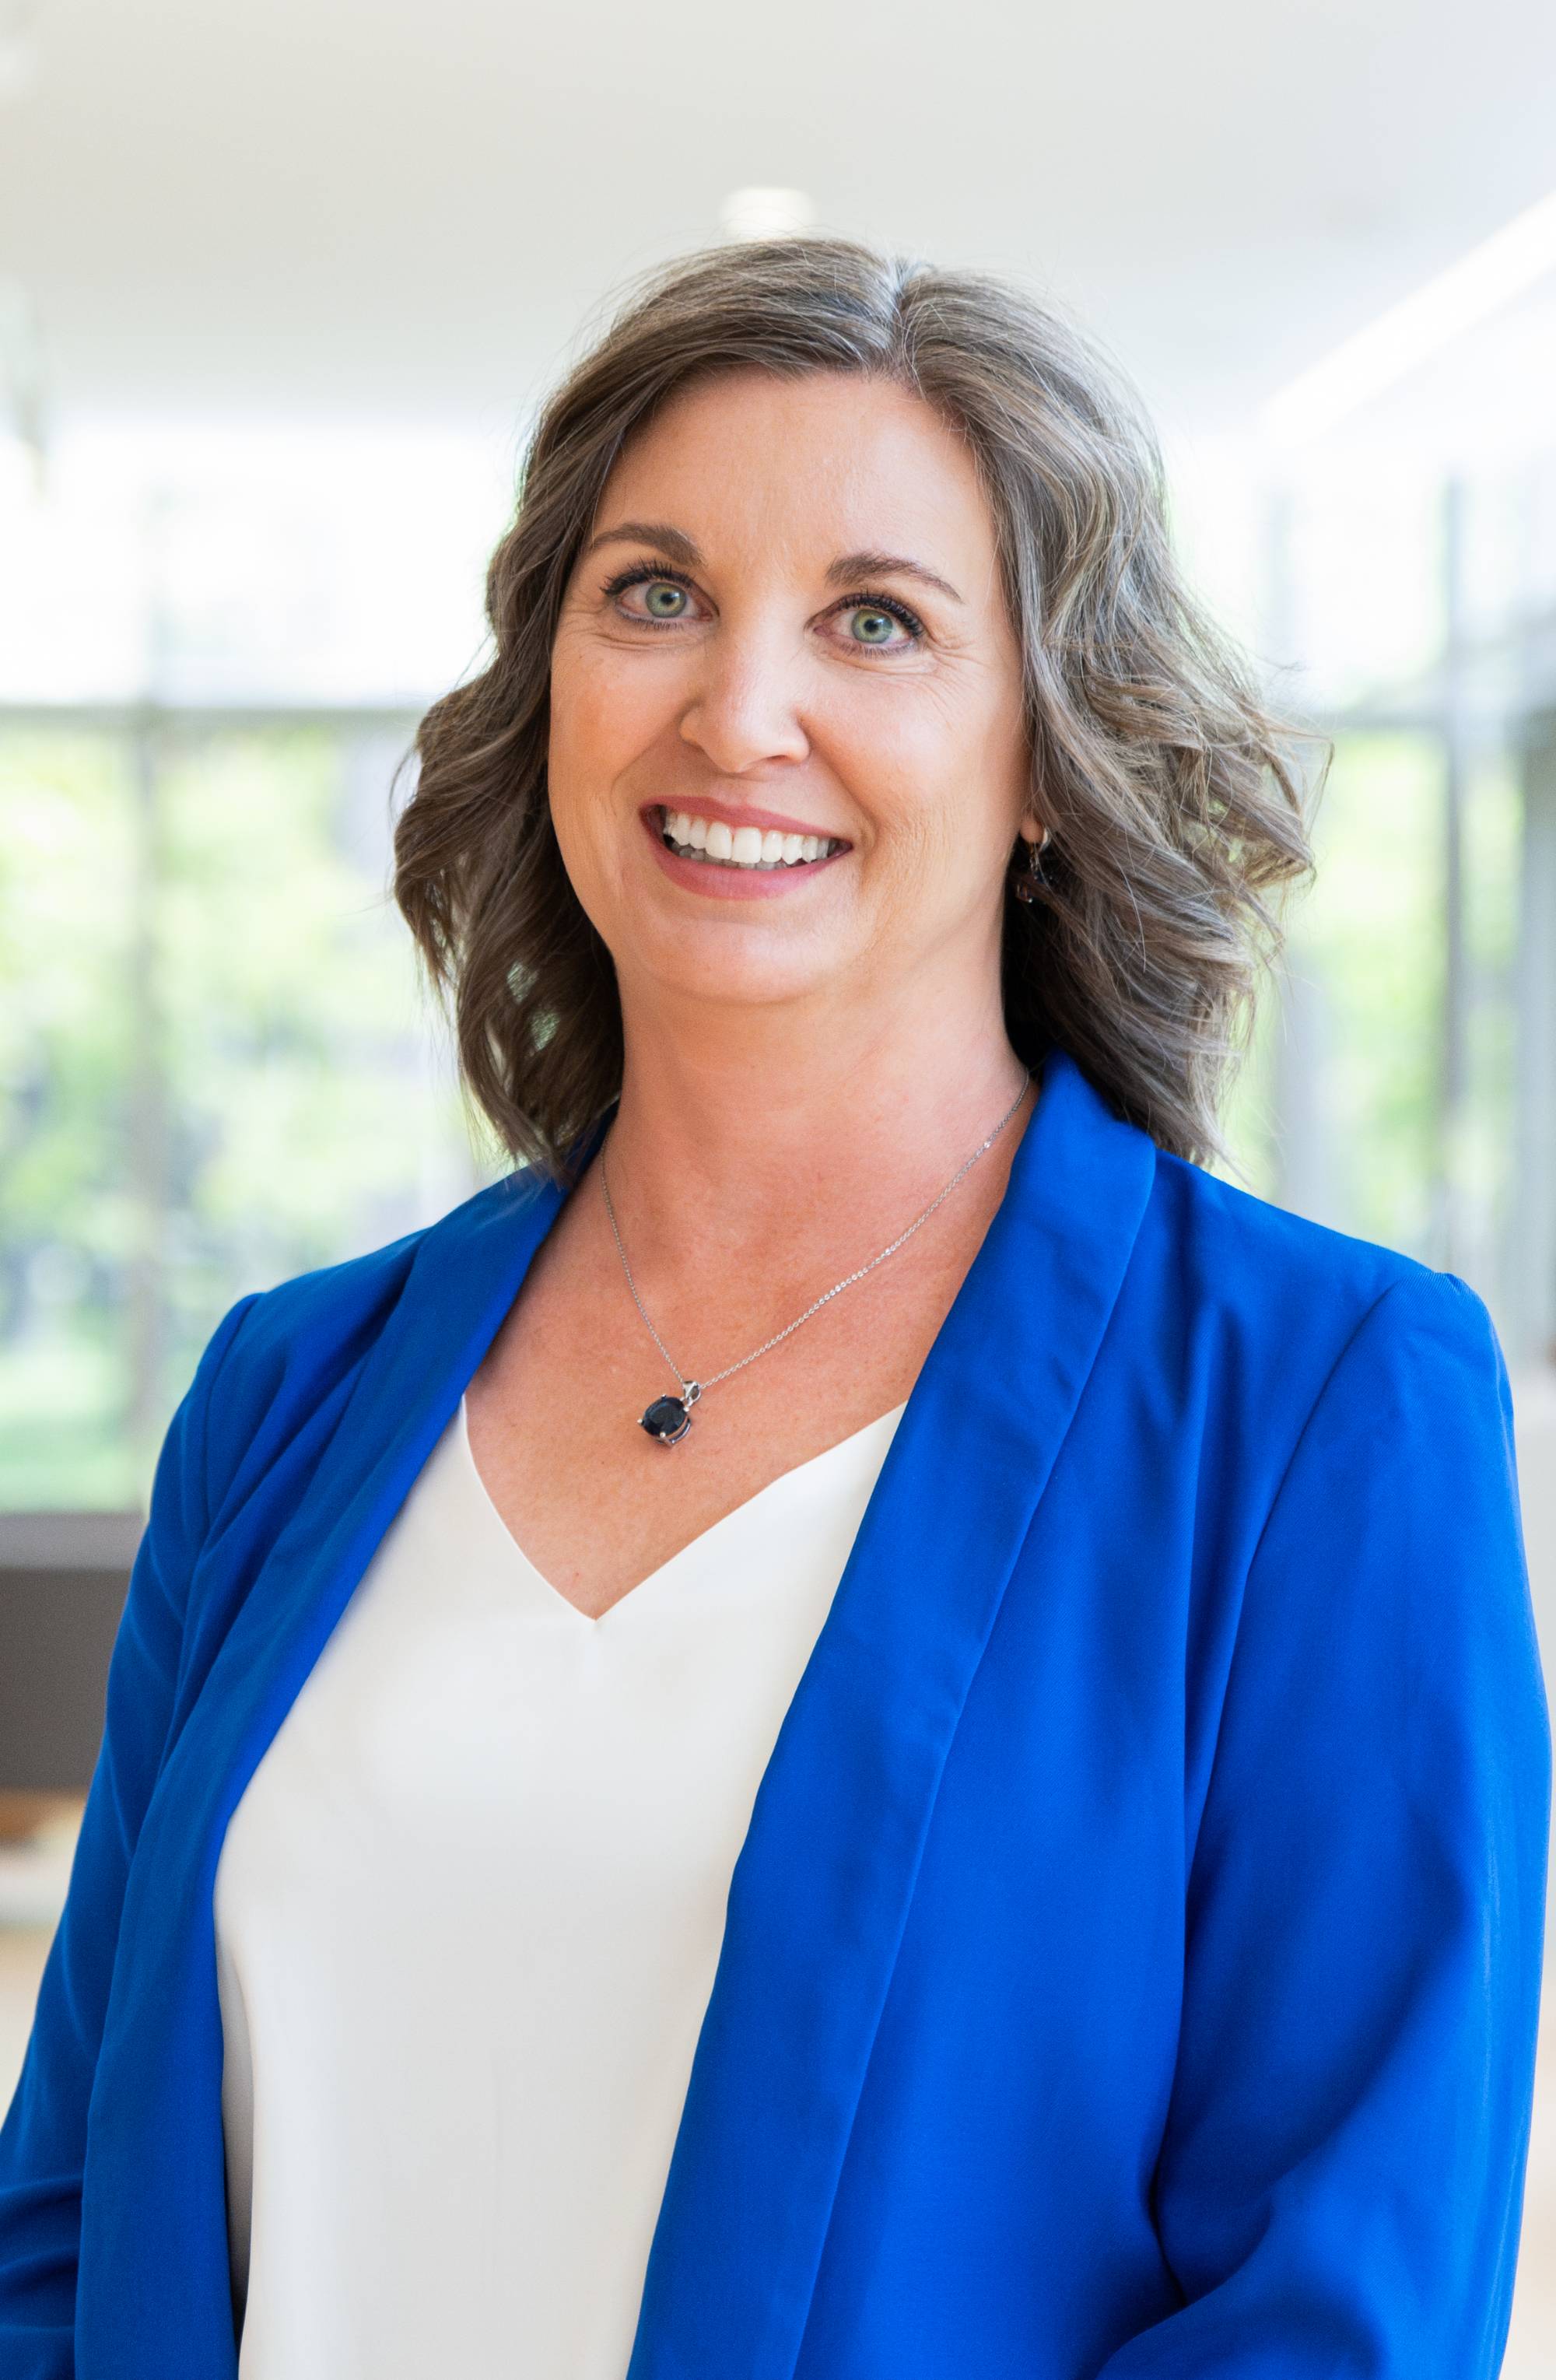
column 812, row 467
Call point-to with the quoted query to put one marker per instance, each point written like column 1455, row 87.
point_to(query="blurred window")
column 219, row 1066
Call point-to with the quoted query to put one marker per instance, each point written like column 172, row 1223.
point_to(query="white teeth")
column 745, row 846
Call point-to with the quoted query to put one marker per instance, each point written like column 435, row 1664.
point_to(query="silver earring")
column 1025, row 880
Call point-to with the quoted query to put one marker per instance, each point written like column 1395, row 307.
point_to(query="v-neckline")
column 631, row 1593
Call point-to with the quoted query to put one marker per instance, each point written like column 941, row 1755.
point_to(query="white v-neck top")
column 468, row 1915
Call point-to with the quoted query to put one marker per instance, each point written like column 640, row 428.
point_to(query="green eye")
column 872, row 627
column 663, row 599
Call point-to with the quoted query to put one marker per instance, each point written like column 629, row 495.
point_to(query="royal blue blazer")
column 1132, row 1967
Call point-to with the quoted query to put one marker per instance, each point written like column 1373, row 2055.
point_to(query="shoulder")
column 1235, row 1250
column 1239, row 1304
column 1357, row 1417
column 1245, row 1248
column 284, row 1354
column 1299, row 1313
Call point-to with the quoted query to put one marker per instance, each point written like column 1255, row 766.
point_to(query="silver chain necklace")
column 669, row 1418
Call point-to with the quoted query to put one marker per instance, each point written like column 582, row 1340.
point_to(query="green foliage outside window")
column 215, row 1068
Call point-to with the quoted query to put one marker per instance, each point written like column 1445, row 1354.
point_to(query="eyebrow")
column 672, row 541
column 849, row 569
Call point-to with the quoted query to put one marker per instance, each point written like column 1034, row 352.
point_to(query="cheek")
column 580, row 769
column 603, row 716
column 938, row 772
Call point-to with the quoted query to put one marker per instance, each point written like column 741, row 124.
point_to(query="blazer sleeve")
column 42, row 2144
column 1340, row 2176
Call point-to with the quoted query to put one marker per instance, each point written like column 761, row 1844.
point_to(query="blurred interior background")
column 278, row 290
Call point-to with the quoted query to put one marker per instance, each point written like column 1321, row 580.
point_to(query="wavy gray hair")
column 1174, row 804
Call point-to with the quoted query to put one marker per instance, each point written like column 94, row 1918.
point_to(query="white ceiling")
column 371, row 208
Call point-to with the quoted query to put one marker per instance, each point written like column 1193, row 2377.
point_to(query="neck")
column 748, row 1131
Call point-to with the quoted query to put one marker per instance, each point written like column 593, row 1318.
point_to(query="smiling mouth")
column 749, row 847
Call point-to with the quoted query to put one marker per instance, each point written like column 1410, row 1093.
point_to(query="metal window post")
column 1450, row 1224
column 147, row 1152
column 1532, row 1316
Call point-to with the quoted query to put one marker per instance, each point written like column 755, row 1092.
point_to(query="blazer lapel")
column 166, row 2242
column 822, row 1889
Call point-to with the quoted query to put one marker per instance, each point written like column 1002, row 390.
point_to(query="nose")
column 745, row 707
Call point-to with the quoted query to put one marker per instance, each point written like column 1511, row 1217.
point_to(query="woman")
column 859, row 1469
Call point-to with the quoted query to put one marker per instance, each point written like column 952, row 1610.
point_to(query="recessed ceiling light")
column 1489, row 277
column 765, row 212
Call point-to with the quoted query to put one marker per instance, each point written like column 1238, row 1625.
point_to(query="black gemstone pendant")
column 667, row 1419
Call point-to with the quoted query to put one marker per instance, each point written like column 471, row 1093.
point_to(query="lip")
column 733, row 883
column 743, row 816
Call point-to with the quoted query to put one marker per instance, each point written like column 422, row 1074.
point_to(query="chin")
column 706, row 964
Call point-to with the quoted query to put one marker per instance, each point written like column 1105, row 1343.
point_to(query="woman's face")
column 788, row 623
